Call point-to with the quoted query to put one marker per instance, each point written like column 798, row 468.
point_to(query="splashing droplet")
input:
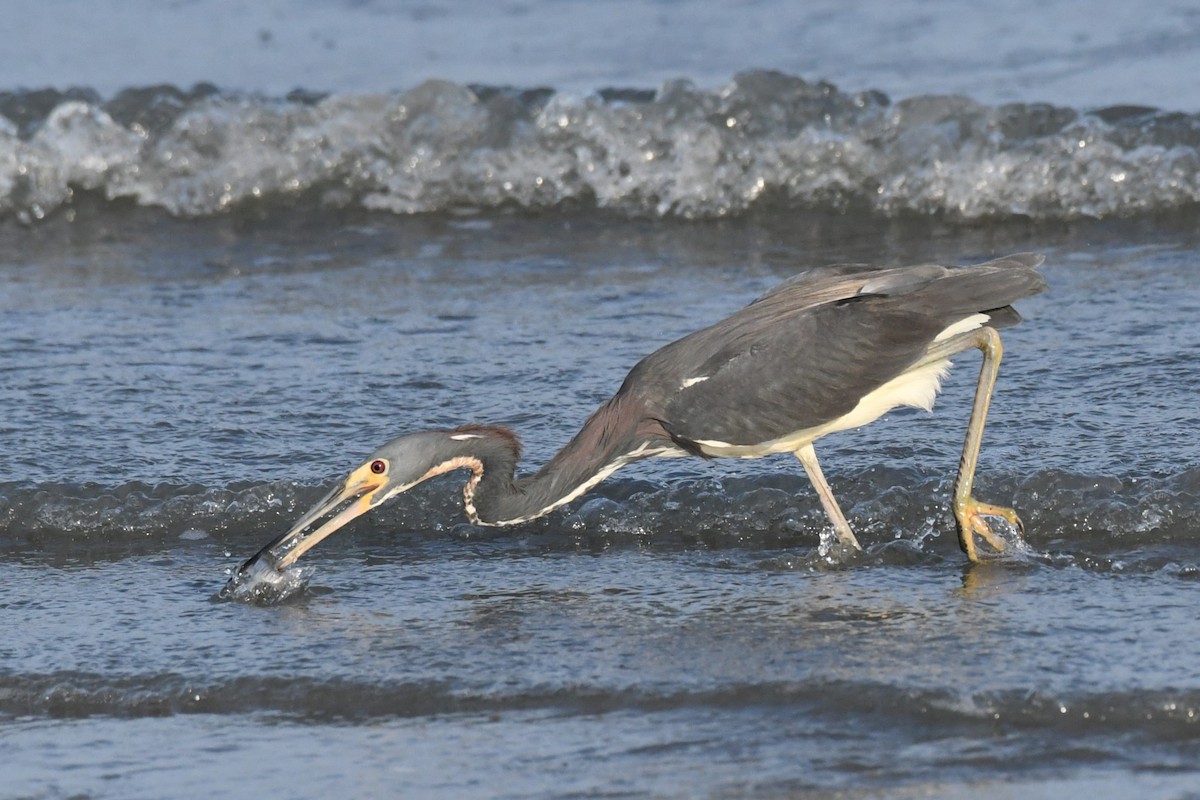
column 262, row 584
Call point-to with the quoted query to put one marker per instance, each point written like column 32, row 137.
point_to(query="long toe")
column 1003, row 512
column 972, row 522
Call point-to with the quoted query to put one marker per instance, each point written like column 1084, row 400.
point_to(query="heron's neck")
column 608, row 440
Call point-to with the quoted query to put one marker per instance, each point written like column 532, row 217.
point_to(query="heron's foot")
column 847, row 540
column 839, row 544
column 971, row 523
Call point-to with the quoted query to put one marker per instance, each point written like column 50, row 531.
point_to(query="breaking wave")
column 1160, row 713
column 765, row 140
column 1099, row 523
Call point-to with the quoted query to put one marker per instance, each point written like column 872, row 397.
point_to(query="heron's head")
column 392, row 469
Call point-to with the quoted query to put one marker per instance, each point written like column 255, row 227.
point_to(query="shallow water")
column 214, row 302
column 500, row 671
column 195, row 386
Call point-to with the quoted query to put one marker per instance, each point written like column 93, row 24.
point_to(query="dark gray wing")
column 1012, row 276
column 804, row 353
column 802, row 372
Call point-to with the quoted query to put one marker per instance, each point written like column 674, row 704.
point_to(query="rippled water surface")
column 217, row 299
column 176, row 393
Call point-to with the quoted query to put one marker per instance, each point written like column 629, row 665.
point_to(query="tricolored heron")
column 825, row 351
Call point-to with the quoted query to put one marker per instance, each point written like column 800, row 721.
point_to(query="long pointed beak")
column 362, row 487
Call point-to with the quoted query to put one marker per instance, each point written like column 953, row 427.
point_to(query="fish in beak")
column 364, row 489
column 394, row 468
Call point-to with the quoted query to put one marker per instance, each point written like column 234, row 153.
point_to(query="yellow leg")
column 808, row 457
column 968, row 511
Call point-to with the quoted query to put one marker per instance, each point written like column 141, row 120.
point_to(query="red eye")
column 379, row 466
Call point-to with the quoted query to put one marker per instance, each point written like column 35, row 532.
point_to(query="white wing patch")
column 962, row 326
column 462, row 437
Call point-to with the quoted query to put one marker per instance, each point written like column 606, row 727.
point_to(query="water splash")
column 1062, row 510
column 259, row 583
column 763, row 140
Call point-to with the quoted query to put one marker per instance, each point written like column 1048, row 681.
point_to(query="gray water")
column 216, row 301
column 195, row 385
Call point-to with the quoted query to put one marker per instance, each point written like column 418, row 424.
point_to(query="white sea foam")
column 763, row 140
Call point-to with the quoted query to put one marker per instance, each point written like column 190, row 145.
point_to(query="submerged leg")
column 808, row 457
column 968, row 511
